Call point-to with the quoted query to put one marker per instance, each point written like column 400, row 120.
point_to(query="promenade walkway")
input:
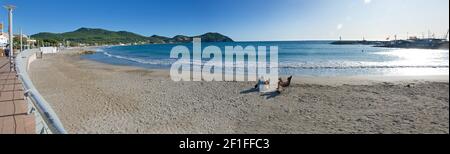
column 13, row 107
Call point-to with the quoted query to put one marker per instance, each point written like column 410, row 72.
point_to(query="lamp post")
column 10, row 9
column 21, row 40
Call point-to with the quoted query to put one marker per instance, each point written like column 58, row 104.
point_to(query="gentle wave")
column 288, row 65
column 137, row 60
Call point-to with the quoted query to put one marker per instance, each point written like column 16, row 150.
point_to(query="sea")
column 299, row 58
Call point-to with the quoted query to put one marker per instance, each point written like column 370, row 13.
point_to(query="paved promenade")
column 13, row 107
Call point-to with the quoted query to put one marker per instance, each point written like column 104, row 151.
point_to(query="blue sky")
column 243, row 20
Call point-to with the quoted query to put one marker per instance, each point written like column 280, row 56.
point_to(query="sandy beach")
column 92, row 97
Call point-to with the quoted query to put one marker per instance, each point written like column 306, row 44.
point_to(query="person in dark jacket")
column 6, row 51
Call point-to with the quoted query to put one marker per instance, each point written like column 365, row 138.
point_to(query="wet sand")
column 92, row 97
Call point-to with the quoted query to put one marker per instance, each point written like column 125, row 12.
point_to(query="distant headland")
column 419, row 43
column 97, row 36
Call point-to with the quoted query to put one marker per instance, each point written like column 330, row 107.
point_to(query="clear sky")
column 242, row 20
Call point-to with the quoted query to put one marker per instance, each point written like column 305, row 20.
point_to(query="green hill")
column 158, row 39
column 215, row 37
column 208, row 37
column 93, row 36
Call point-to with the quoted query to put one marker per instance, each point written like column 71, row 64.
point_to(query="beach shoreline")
column 93, row 97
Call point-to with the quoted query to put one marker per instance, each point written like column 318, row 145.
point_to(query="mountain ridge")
column 98, row 36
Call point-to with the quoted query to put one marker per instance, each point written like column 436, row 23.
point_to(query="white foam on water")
column 420, row 61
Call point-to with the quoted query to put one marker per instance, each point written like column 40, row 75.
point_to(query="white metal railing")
column 47, row 122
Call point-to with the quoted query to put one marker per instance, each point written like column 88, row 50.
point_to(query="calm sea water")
column 304, row 58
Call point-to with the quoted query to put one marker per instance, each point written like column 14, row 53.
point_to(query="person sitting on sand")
column 281, row 84
column 262, row 82
column 285, row 84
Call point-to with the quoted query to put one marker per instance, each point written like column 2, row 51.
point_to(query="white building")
column 49, row 50
column 3, row 40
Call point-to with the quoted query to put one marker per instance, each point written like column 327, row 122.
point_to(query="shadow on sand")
column 252, row 90
column 268, row 95
column 271, row 95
